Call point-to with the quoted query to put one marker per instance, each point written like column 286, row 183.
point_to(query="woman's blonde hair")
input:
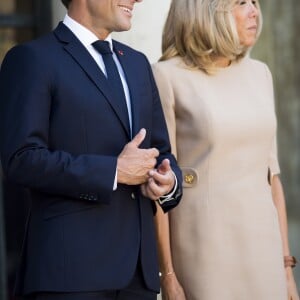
column 200, row 31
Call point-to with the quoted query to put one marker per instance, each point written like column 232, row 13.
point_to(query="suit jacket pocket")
column 61, row 206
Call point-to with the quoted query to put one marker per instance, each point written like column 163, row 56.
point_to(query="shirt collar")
column 85, row 36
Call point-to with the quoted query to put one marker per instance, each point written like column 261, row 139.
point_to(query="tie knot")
column 102, row 47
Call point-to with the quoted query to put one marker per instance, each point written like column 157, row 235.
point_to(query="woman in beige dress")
column 227, row 240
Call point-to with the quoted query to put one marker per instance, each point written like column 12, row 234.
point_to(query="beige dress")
column 225, row 234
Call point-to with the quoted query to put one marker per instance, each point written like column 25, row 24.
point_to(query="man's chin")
column 124, row 27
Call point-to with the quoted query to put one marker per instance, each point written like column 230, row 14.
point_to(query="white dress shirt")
column 87, row 38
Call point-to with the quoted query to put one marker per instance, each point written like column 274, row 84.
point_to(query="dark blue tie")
column 112, row 72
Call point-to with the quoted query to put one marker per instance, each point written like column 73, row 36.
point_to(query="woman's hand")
column 291, row 285
column 171, row 288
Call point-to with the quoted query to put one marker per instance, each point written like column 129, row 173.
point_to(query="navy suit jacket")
column 61, row 132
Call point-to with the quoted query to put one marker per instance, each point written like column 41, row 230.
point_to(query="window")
column 21, row 21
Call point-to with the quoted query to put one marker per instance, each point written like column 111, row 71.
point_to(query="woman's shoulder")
column 174, row 69
column 254, row 67
column 171, row 63
column 255, row 64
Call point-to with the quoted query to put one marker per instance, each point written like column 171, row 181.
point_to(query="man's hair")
column 66, row 3
column 200, row 30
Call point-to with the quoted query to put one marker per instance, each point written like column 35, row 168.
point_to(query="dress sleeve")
column 273, row 157
column 168, row 103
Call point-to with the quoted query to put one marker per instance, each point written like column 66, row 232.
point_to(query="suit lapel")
column 79, row 53
column 130, row 74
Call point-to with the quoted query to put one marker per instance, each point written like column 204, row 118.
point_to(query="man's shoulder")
column 32, row 52
column 34, row 44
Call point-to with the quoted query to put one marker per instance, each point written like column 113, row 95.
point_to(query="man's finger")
column 138, row 139
column 164, row 166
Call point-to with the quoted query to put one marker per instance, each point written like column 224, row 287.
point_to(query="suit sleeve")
column 163, row 144
column 25, row 88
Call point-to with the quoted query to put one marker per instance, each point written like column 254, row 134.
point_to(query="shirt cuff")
column 116, row 181
column 169, row 197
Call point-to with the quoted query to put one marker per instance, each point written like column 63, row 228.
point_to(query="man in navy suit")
column 95, row 164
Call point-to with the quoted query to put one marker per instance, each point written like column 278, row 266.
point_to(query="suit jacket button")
column 132, row 196
column 189, row 178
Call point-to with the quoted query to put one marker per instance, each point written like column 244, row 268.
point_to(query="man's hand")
column 134, row 164
column 161, row 181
